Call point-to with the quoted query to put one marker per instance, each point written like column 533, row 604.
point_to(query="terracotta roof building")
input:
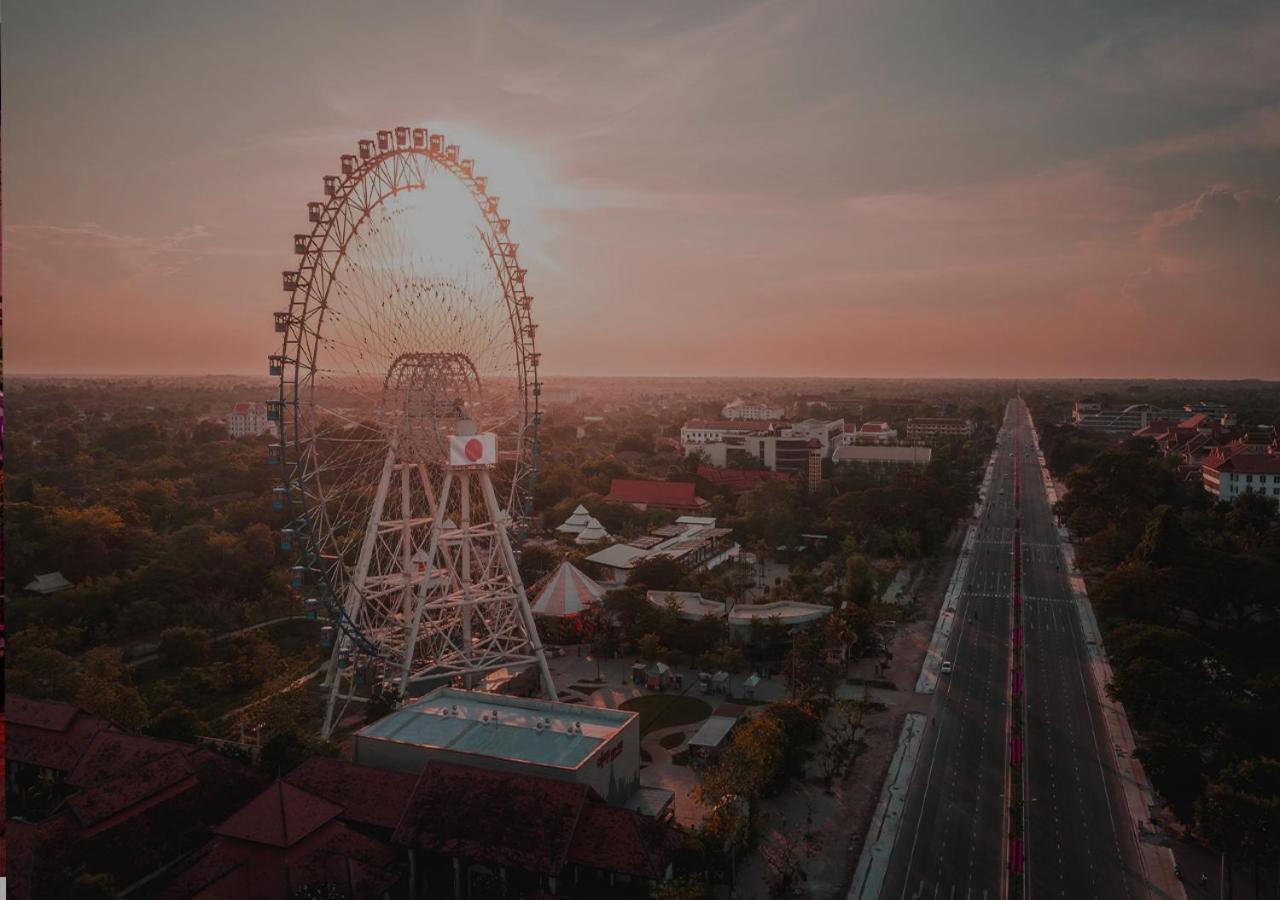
column 660, row 494
column 83, row 794
column 1227, row 473
column 530, row 834
column 283, row 840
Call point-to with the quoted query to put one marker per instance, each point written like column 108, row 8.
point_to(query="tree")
column 650, row 648
column 1240, row 810
column 692, row 886
column 785, row 859
column 536, row 561
column 860, row 586
column 657, row 573
column 106, row 688
column 42, row 671
column 751, row 762
column 840, row 738
column 181, row 647
column 285, row 751
column 1164, row 541
column 806, row 671
column 177, row 722
column 208, row 432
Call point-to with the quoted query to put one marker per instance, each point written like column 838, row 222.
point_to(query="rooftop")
column 541, row 732
column 789, row 612
column 669, row 494
column 1244, row 463
column 692, row 605
column 713, row 731
column 732, row 424
column 859, row 453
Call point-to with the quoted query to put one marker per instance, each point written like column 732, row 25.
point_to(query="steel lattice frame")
column 398, row 161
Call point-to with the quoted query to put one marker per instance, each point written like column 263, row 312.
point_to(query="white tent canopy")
column 566, row 593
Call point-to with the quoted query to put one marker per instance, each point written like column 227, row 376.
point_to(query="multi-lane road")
column 1081, row 840
column 951, row 841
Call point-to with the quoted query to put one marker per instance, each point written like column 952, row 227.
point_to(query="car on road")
column 946, row 667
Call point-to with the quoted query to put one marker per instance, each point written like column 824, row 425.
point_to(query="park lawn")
column 674, row 739
column 666, row 710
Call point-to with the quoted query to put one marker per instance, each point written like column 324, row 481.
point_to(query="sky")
column 781, row 188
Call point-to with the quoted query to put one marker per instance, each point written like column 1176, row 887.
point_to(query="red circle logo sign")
column 474, row 449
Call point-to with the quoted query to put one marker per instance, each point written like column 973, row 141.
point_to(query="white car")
column 946, row 667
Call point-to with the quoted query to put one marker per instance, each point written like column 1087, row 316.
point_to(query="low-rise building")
column 49, row 583
column 693, row 541
column 1091, row 415
column 248, row 419
column 84, row 795
column 593, row 746
column 658, row 494
column 1227, row 473
column 708, row 431
column 828, row 433
column 692, row 606
column 883, row 458
column 792, row 614
column 879, row 432
column 928, row 430
column 752, row 410
column 779, row 453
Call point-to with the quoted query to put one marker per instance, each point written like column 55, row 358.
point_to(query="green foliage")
column 181, row 647
column 657, row 573
column 692, row 886
column 537, row 561
column 178, row 723
column 1240, row 808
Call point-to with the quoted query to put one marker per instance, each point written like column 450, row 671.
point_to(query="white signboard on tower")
column 473, row 449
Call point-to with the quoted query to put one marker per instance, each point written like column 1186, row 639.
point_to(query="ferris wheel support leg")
column 355, row 594
column 464, row 495
column 433, row 548
column 509, row 556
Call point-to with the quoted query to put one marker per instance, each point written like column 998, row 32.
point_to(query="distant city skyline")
column 819, row 189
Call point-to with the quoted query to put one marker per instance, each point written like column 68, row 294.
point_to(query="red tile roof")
column 51, row 715
column 280, row 816
column 670, row 494
column 133, row 791
column 874, row 427
column 1244, row 463
column 619, row 840
column 367, row 795
column 498, row 818
column 48, row 734
column 112, row 753
column 360, row 866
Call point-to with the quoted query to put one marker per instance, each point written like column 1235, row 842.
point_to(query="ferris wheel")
column 408, row 419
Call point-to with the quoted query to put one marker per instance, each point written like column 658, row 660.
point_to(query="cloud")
column 90, row 252
column 1257, row 129
column 1221, row 224
column 1197, row 58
